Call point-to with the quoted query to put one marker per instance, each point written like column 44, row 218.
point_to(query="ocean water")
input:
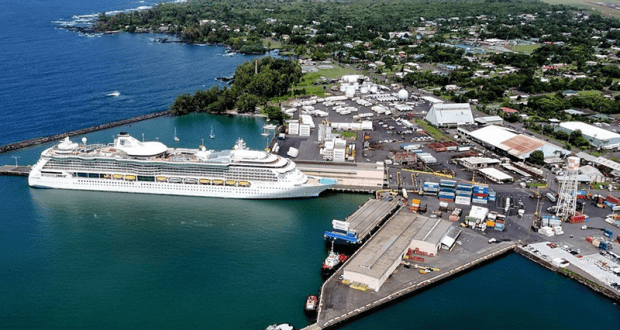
column 91, row 260
column 54, row 80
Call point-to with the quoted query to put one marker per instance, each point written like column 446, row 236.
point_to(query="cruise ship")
column 130, row 165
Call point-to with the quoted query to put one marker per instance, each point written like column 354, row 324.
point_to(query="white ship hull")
column 256, row 191
column 132, row 166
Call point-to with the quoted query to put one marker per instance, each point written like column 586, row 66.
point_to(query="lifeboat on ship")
column 130, row 177
column 218, row 182
column 244, row 183
column 162, row 179
column 230, row 182
column 117, row 176
column 175, row 180
column 205, row 181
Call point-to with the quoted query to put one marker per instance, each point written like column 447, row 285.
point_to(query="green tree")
column 247, row 102
column 536, row 157
column 274, row 113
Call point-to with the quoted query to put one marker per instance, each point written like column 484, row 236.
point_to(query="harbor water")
column 93, row 260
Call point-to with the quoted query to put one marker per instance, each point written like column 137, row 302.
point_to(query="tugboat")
column 332, row 261
column 312, row 302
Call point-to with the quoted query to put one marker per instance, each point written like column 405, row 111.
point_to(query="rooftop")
column 589, row 130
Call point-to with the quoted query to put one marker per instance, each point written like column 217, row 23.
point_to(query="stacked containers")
column 480, row 194
column 492, row 195
column 447, row 190
column 431, row 187
column 499, row 224
column 463, row 193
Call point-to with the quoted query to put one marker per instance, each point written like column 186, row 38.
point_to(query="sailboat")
column 212, row 135
column 176, row 138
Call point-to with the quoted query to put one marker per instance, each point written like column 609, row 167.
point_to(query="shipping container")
column 613, row 200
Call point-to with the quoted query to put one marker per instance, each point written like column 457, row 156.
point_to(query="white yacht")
column 129, row 165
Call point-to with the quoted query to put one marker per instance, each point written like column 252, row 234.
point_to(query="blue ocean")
column 92, row 260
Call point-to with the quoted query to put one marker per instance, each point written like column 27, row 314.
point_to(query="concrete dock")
column 15, row 170
column 340, row 303
column 352, row 177
column 365, row 219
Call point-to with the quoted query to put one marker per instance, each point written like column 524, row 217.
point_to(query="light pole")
column 15, row 160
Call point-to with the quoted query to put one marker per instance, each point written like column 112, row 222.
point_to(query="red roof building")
column 509, row 110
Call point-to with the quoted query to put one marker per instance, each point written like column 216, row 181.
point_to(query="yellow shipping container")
column 490, row 223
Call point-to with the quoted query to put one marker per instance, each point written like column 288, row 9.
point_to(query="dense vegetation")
column 254, row 84
column 323, row 27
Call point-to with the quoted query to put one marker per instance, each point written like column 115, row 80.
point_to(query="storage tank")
column 364, row 90
column 374, row 88
column 403, row 95
column 573, row 163
column 343, row 88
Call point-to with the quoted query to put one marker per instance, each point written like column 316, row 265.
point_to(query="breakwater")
column 41, row 140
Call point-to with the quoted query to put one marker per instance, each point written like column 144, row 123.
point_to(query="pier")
column 359, row 225
column 14, row 170
column 340, row 303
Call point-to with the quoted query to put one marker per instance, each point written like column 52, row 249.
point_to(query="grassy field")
column 528, row 49
column 274, row 43
column 432, row 131
column 590, row 93
column 318, row 90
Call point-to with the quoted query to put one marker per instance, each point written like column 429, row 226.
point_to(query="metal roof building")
column 442, row 114
column 490, row 120
column 517, row 145
column 597, row 136
column 376, row 261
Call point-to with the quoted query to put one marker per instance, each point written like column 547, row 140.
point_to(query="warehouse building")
column 490, row 120
column 373, row 264
column 496, row 175
column 595, row 135
column 442, row 114
column 507, row 142
column 472, row 163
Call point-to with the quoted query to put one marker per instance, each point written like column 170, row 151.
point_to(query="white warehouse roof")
column 589, row 130
column 492, row 135
column 442, row 114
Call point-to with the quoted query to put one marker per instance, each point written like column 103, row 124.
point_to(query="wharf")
column 340, row 303
column 352, row 177
column 15, row 170
column 365, row 219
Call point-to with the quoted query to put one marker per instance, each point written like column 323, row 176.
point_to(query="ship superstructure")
column 130, row 165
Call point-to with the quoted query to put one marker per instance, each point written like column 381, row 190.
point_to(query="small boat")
column 282, row 326
column 176, row 138
column 115, row 93
column 244, row 183
column 333, row 260
column 118, row 176
column 270, row 126
column 230, row 182
column 212, row 135
column 130, row 177
column 205, row 181
column 218, row 182
column 312, row 302
column 175, row 180
column 162, row 179
column 190, row 181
